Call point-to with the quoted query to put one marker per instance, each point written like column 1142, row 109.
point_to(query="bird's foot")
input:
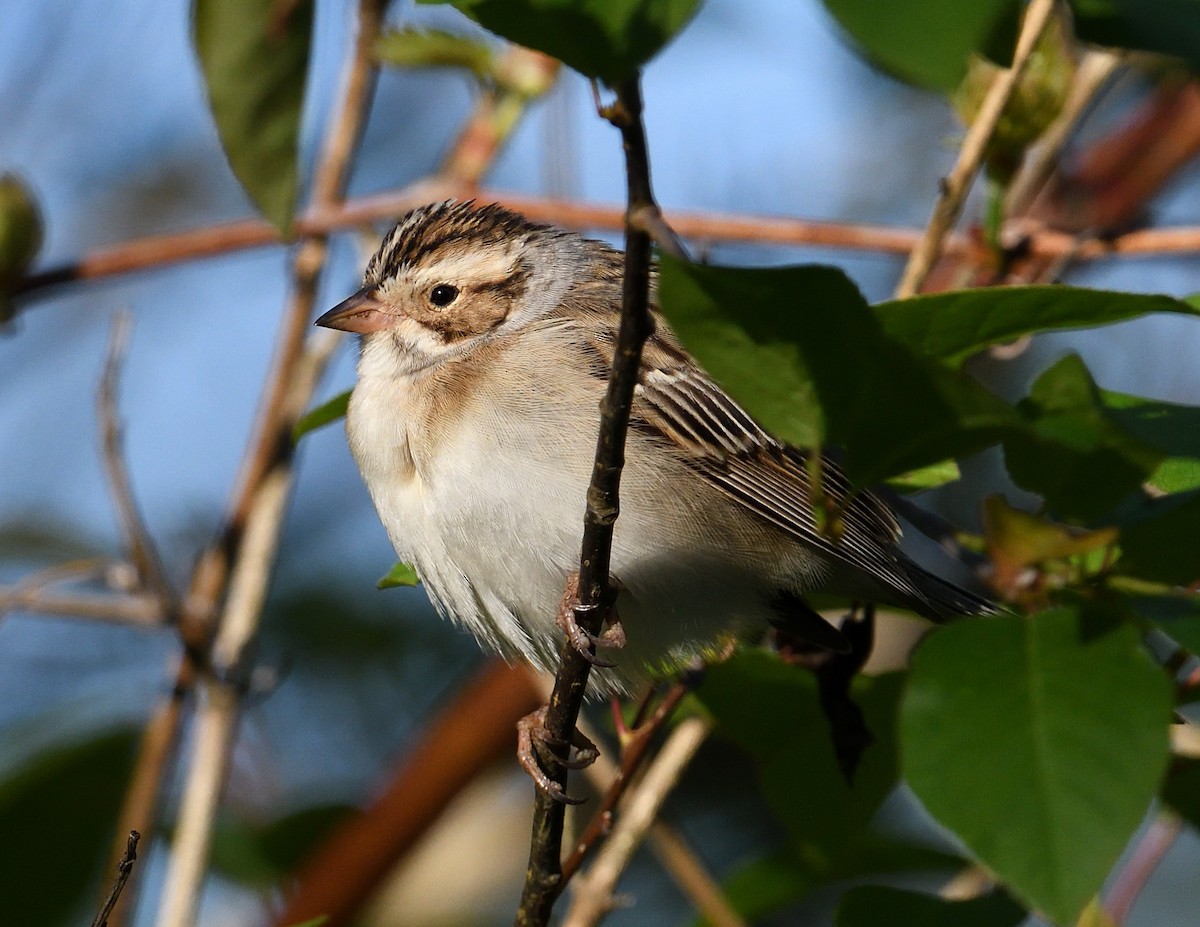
column 534, row 744
column 582, row 639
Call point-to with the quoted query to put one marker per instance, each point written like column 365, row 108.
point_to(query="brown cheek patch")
column 480, row 308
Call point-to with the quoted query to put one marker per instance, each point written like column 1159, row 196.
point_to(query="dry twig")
column 958, row 181
column 594, row 889
column 124, row 868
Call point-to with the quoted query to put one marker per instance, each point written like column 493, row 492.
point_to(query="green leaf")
column 801, row 348
column 1040, row 742
column 58, row 812
column 254, row 55
column 1172, row 429
column 1073, row 454
column 938, row 474
column 953, row 326
column 1158, row 539
column 876, row 906
column 20, row 229
column 926, row 42
column 1176, row 615
column 1168, row 27
column 606, row 39
column 322, row 415
column 402, row 574
column 748, row 694
column 414, row 48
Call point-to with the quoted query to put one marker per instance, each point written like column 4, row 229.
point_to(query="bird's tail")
column 941, row 600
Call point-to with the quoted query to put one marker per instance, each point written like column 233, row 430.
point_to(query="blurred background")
column 757, row 108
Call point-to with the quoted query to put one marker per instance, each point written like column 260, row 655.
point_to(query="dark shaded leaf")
column 1073, row 454
column 801, row 348
column 1158, row 539
column 1011, row 740
column 749, row 694
column 58, row 812
column 324, row 414
column 878, row 906
column 254, row 55
column 1172, row 429
column 1177, row 616
column 1168, row 27
column 1182, row 789
column 606, row 39
column 927, row 42
column 953, row 326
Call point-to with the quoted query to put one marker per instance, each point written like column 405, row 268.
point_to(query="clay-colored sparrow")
column 486, row 344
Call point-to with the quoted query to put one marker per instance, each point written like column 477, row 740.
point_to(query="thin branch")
column 632, row 756
column 124, row 868
column 246, row 550
column 958, row 181
column 142, row 550
column 139, row 610
column 543, row 881
column 1133, row 876
column 594, row 889
column 163, row 250
column 673, row 852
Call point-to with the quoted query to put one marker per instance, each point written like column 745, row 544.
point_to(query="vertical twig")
column 543, row 879
column 124, row 868
column 594, row 890
column 1149, row 852
column 958, row 181
column 244, row 555
column 142, row 550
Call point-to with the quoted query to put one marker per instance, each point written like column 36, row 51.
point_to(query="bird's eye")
column 443, row 294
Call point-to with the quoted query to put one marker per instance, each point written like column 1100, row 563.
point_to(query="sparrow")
column 486, row 344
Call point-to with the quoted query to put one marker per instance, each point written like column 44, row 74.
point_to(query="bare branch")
column 124, row 868
column 142, row 549
column 544, row 881
column 677, row 857
column 594, row 889
column 1147, row 854
column 958, row 181
column 245, row 553
column 140, row 610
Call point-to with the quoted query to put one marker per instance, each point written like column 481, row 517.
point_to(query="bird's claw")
column 582, row 639
column 534, row 741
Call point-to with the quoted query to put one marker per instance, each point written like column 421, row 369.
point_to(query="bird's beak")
column 362, row 314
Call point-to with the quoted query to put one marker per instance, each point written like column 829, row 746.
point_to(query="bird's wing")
column 678, row 403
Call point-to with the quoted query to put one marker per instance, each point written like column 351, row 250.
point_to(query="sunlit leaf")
column 1011, row 740
column 607, row 39
column 953, row 326
column 414, row 48
column 927, row 42
column 324, row 414
column 254, row 55
column 402, row 574
column 938, row 474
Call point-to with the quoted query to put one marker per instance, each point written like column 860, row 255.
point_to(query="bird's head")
column 450, row 276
